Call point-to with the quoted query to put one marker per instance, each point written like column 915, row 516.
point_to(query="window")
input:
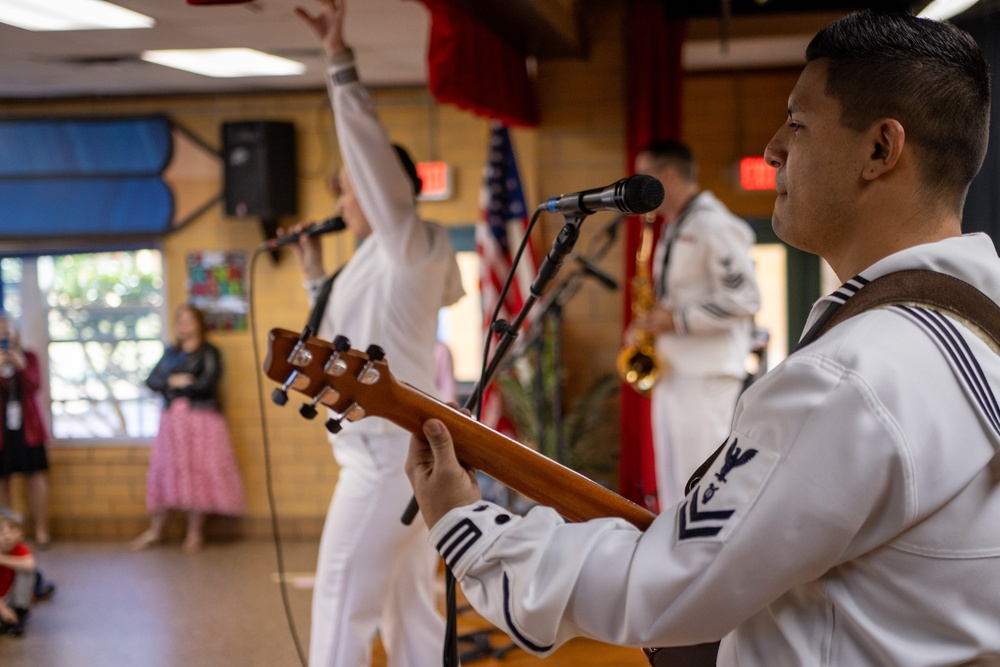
column 460, row 326
column 99, row 319
column 11, row 272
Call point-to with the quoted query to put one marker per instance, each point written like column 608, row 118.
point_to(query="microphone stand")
column 561, row 247
column 552, row 307
column 569, row 287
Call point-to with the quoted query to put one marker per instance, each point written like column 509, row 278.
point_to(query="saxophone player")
column 706, row 296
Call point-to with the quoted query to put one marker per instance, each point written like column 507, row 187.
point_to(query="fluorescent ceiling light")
column 70, row 15
column 225, row 63
column 945, row 9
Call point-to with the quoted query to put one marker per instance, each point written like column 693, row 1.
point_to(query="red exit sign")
column 756, row 174
column 436, row 178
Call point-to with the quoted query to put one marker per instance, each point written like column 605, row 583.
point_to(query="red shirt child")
column 17, row 573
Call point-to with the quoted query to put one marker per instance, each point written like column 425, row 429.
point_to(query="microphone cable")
column 451, row 657
column 268, row 478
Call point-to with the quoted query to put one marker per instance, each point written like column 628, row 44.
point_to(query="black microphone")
column 328, row 226
column 636, row 194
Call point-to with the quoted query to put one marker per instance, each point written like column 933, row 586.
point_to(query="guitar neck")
column 380, row 395
column 521, row 468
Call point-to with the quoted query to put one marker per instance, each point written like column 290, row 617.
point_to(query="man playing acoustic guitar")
column 851, row 517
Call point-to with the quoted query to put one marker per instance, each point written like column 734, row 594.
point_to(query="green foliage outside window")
column 105, row 330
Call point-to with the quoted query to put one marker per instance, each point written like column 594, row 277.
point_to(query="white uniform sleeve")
column 793, row 495
column 382, row 187
column 733, row 295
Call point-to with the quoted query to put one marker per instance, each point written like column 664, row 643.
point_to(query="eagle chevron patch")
column 716, row 504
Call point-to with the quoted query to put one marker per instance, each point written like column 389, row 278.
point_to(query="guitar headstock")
column 332, row 374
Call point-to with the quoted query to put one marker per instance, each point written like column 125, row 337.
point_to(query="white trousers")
column 691, row 417
column 373, row 572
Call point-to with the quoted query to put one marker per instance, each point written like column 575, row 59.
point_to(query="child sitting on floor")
column 17, row 574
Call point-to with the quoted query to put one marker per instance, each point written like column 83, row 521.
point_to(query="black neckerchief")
column 661, row 284
column 316, row 315
column 838, row 299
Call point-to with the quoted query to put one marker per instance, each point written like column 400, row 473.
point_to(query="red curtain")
column 473, row 67
column 653, row 92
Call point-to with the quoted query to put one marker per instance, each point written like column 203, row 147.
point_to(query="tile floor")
column 219, row 608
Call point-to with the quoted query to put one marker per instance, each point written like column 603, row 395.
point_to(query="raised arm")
column 381, row 185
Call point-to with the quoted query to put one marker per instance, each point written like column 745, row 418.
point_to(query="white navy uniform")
column 851, row 520
column 373, row 572
column 707, row 279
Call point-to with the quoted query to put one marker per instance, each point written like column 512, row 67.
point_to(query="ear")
column 887, row 138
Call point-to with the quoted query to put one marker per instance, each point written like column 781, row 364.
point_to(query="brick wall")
column 98, row 492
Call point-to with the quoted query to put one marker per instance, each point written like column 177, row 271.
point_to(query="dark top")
column 205, row 364
column 24, row 385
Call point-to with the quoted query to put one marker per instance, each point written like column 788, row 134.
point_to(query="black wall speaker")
column 260, row 169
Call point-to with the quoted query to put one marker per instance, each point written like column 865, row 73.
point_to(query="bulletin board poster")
column 217, row 286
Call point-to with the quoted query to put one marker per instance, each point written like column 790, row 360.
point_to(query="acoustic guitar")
column 355, row 385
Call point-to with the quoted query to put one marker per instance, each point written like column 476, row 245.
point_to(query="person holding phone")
column 23, row 434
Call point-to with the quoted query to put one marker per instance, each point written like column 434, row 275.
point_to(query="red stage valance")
column 653, row 58
column 471, row 66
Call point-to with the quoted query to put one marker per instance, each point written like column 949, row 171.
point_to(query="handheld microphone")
column 639, row 193
column 328, row 226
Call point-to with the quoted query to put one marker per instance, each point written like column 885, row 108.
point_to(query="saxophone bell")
column 637, row 364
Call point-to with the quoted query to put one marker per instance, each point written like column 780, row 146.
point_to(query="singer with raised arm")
column 851, row 516
column 374, row 573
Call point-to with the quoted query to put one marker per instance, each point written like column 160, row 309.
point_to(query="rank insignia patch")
column 732, row 483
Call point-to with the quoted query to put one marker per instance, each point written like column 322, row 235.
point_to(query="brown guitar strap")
column 927, row 289
column 918, row 288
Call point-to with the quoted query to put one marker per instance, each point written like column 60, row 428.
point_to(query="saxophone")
column 637, row 364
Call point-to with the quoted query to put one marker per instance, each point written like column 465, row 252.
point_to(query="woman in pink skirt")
column 192, row 466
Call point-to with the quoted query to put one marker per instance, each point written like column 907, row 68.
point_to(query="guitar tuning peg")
column 333, row 425
column 354, row 412
column 328, row 395
column 336, row 365
column 300, row 354
column 369, row 374
column 279, row 396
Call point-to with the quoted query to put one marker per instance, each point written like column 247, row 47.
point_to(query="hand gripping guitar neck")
column 355, row 385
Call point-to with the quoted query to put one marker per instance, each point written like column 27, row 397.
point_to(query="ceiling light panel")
column 225, row 63
column 70, row 15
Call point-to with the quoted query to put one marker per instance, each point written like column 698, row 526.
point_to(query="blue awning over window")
column 82, row 177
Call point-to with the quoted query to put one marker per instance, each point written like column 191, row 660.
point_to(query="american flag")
column 504, row 220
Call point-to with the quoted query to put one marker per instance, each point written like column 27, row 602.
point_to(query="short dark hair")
column 928, row 75
column 674, row 153
column 410, row 168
